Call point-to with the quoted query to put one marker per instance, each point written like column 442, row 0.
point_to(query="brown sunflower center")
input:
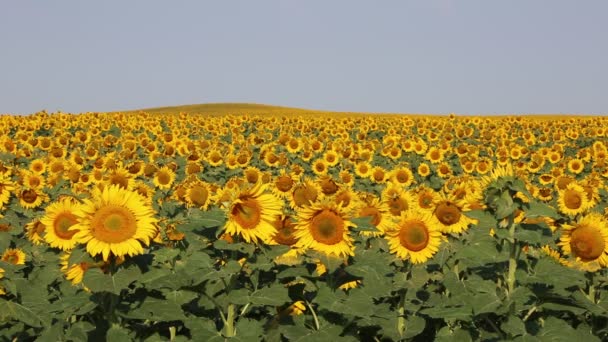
column 425, row 200
column 113, row 224
column 402, row 176
column 199, row 195
column 163, row 178
column 327, row 227
column 573, row 199
column 29, row 196
column 284, row 183
column 372, row 212
column 11, row 258
column 62, row 223
column 414, row 235
column 587, row 242
column 328, row 186
column 247, row 213
column 447, row 213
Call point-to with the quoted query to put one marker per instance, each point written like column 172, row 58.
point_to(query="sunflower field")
column 302, row 226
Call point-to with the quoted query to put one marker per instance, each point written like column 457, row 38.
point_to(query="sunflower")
column 58, row 219
column 576, row 166
column 324, row 227
column 346, row 178
column 414, row 237
column 252, row 174
column 331, row 158
column 586, row 240
column 378, row 212
column 448, row 215
column 34, row 231
column 115, row 221
column 13, row 256
column 120, row 177
column 363, row 169
column 434, row 155
column 304, row 193
column 424, row 170
column 402, row 176
column 319, row 167
column 31, row 198
column 6, row 188
column 164, row 178
column 573, row 200
column 251, row 213
column 378, row 175
column 397, row 199
column 198, row 195
column 74, row 272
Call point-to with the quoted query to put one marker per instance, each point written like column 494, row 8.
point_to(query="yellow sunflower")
column 402, row 176
column 379, row 213
column 397, row 199
column 414, row 237
column 6, row 188
column 251, row 213
column 34, row 231
column 572, row 200
column 13, row 256
column 58, row 219
column 324, row 227
column 31, row 198
column 586, row 240
column 164, row 178
column 198, row 194
column 115, row 221
column 304, row 193
column 449, row 215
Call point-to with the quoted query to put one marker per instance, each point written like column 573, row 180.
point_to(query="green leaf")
column 513, row 326
column 53, row 333
column 363, row 224
column 97, row 281
column 538, row 209
column 18, row 312
column 117, row 333
column 275, row 295
column 555, row 329
column 249, row 329
column 79, row 331
column 207, row 219
column 158, row 310
column 414, row 326
column 449, row 335
column 485, row 219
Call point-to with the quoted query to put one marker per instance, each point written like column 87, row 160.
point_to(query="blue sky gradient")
column 468, row 57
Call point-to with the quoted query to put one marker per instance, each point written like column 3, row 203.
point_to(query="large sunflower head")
column 251, row 213
column 414, row 237
column 59, row 217
column 324, row 227
column 587, row 239
column 115, row 221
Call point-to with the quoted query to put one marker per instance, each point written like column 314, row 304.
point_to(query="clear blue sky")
column 476, row 57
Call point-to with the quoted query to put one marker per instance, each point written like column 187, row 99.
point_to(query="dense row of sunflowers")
column 294, row 181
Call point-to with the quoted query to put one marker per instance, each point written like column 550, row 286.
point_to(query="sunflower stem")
column 314, row 315
column 229, row 330
column 401, row 310
column 512, row 257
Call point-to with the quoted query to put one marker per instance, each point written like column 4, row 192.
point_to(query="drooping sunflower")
column 414, row 237
column 587, row 239
column 58, row 219
column 13, row 256
column 115, row 221
column 324, row 227
column 572, row 200
column 34, row 232
column 6, row 188
column 251, row 213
